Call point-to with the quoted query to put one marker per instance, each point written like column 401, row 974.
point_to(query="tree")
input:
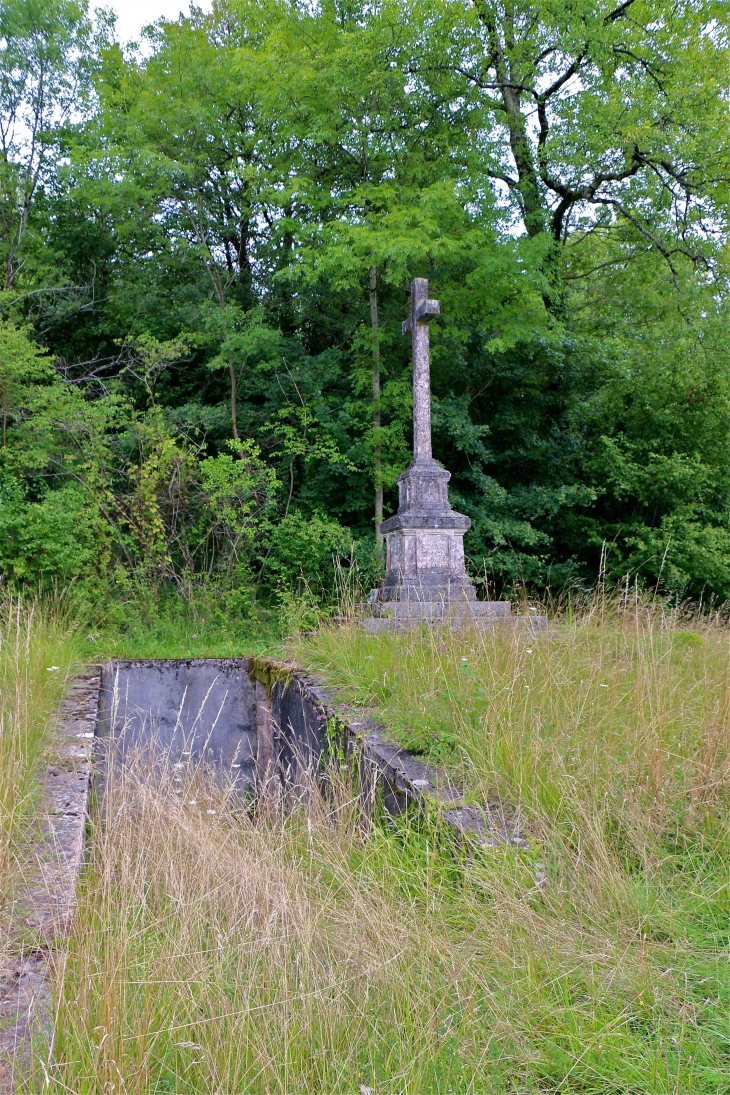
column 261, row 186
column 596, row 114
column 45, row 69
column 201, row 120
column 371, row 144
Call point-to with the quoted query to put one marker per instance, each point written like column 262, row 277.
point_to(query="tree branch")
column 618, row 12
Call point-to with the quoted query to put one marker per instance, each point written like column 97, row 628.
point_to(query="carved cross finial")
column 422, row 312
column 422, row 309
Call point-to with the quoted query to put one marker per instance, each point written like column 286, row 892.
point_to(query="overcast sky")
column 132, row 15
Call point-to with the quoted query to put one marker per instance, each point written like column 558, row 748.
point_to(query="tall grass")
column 224, row 950
column 38, row 647
column 168, row 626
column 617, row 695
column 610, row 731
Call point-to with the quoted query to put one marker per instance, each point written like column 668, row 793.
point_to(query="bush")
column 304, row 551
column 51, row 539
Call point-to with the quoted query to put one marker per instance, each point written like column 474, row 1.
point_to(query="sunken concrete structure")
column 266, row 727
column 425, row 575
column 270, row 728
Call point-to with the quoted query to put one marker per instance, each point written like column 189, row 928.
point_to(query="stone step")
column 378, row 624
column 436, row 609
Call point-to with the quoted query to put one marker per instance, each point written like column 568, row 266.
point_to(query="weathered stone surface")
column 202, row 709
column 425, row 576
column 422, row 312
column 425, row 540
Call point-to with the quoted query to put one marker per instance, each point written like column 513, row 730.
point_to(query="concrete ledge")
column 437, row 609
column 378, row 624
column 423, row 519
column 305, row 715
column 42, row 909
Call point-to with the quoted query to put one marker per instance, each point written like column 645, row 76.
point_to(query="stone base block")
column 406, row 616
column 438, row 609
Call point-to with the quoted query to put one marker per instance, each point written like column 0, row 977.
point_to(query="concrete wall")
column 265, row 722
column 202, row 708
column 299, row 729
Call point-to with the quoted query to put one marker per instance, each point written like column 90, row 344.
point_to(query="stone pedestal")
column 425, row 540
column 425, row 573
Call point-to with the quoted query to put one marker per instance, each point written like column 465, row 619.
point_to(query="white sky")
column 132, row 15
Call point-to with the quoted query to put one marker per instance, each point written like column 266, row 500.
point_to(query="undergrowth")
column 159, row 624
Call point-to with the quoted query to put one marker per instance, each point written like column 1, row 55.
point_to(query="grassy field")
column 221, row 951
column 38, row 649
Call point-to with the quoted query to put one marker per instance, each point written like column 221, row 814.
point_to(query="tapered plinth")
column 425, row 541
column 425, row 576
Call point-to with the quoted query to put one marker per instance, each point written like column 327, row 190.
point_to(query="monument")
column 425, row 575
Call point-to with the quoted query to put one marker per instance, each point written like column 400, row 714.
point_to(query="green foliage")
column 239, row 491
column 23, row 365
column 154, row 623
column 201, row 239
column 45, row 68
column 45, row 541
column 305, row 552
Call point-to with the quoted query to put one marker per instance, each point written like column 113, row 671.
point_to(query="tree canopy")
column 206, row 252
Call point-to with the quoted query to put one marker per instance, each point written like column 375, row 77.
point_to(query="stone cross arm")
column 423, row 311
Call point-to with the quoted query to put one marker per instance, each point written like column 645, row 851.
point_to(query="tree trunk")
column 234, row 408
column 377, row 449
column 535, row 211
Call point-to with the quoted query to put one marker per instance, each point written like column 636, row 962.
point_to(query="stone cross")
column 422, row 312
